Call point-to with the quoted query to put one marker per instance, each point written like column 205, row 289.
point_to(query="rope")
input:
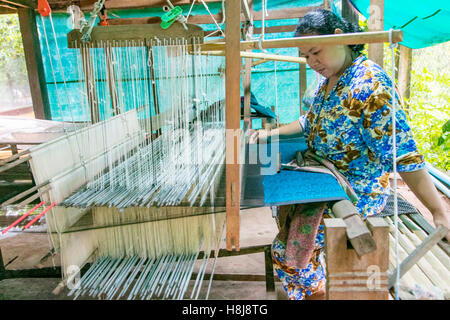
column 392, row 46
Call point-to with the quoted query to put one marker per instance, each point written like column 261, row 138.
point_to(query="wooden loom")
column 232, row 47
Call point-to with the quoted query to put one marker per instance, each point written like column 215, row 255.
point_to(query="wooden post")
column 35, row 66
column 232, row 120
column 248, row 67
column 376, row 23
column 350, row 277
column 302, row 84
column 404, row 71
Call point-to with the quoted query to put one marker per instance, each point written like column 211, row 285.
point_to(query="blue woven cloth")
column 288, row 187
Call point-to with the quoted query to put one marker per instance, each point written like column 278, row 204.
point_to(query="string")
column 392, row 46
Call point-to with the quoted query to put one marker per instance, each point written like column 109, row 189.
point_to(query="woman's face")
column 329, row 61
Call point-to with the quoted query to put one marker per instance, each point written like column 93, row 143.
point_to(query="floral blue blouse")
column 352, row 127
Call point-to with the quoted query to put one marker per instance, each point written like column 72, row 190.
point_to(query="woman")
column 350, row 124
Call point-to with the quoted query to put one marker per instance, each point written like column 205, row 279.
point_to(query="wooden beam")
column 21, row 3
column 376, row 23
column 7, row 9
column 291, row 13
column 335, row 39
column 88, row 5
column 35, row 66
column 232, row 121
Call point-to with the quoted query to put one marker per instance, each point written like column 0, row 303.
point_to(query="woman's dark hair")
column 321, row 21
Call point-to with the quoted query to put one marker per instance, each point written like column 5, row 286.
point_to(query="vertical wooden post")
column 248, row 70
column 232, row 119
column 404, row 71
column 376, row 23
column 350, row 277
column 302, row 83
column 35, row 66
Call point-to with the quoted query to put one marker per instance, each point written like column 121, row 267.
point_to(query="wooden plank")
column 418, row 253
column 35, row 66
column 232, row 121
column 376, row 23
column 357, row 231
column 349, row 276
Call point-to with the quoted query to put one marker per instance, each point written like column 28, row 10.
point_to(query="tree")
column 13, row 70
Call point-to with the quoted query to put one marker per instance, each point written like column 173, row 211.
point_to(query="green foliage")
column 12, row 61
column 428, row 107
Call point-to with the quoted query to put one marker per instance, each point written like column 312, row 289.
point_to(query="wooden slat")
column 232, row 121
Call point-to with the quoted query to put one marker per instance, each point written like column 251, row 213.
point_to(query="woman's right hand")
column 258, row 136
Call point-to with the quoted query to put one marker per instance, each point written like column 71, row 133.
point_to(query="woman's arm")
column 423, row 187
column 290, row 130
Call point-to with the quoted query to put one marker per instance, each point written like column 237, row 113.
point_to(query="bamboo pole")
column 415, row 271
column 429, row 256
column 412, row 259
column 334, row 39
column 257, row 55
column 421, row 235
column 14, row 157
column 14, row 164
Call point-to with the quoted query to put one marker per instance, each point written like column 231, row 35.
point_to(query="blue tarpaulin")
column 424, row 23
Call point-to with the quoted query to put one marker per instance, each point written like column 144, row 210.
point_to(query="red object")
column 44, row 8
column 22, row 217
column 39, row 215
column 104, row 21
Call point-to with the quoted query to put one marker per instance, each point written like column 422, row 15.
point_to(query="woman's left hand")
column 442, row 218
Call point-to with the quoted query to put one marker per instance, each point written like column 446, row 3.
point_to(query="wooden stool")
column 350, row 277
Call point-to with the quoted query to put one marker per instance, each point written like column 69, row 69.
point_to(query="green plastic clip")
column 170, row 17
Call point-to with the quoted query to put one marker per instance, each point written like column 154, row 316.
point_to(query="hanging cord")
column 263, row 27
column 392, row 46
